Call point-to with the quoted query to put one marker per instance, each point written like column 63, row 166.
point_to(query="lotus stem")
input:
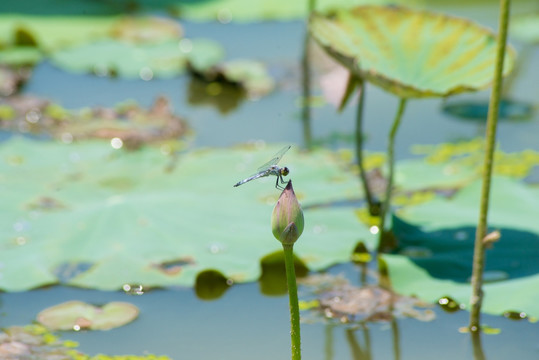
column 492, row 120
column 293, row 298
column 374, row 209
column 306, row 85
column 386, row 206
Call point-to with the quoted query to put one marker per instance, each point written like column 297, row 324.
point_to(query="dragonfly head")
column 284, row 171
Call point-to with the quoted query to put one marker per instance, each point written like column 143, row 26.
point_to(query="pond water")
column 243, row 323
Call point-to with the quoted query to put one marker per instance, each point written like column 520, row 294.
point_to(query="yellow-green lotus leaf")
column 410, row 53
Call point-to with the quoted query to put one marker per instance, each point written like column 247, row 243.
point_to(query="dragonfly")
column 271, row 168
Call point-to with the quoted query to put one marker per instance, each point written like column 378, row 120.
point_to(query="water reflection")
column 358, row 351
column 358, row 338
column 225, row 97
column 478, row 353
column 211, row 285
column 272, row 282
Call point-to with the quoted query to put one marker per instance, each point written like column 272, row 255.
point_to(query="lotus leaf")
column 146, row 30
column 52, row 32
column 116, row 217
column 76, row 315
column 439, row 247
column 526, row 28
column 146, row 61
column 244, row 11
column 410, row 53
column 20, row 55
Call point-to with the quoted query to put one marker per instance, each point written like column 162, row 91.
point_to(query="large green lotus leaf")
column 88, row 215
column 417, row 174
column 439, row 247
column 410, row 53
column 512, row 205
column 509, row 295
column 246, row 11
column 109, row 57
column 53, row 32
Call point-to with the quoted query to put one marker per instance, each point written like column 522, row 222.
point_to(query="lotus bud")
column 287, row 218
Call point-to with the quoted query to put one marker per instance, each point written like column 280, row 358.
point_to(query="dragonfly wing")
column 253, row 177
column 275, row 160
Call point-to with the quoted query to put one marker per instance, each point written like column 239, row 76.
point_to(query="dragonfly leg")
column 280, row 186
column 277, row 183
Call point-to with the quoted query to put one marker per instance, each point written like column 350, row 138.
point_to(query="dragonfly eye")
column 284, row 171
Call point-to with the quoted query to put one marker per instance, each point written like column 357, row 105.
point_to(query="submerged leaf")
column 338, row 299
column 410, row 53
column 129, row 125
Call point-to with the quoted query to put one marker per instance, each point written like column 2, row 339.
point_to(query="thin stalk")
column 293, row 299
column 373, row 209
column 492, row 119
column 306, row 88
column 396, row 338
column 386, row 206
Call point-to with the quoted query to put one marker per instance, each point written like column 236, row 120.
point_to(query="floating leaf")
column 127, row 214
column 146, row 30
column 78, row 315
column 410, row 53
column 145, row 61
column 225, row 11
column 445, row 230
column 52, row 32
column 20, row 56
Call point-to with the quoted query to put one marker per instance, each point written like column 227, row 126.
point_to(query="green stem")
column 492, row 119
column 306, row 87
column 386, row 206
column 373, row 209
column 293, row 299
